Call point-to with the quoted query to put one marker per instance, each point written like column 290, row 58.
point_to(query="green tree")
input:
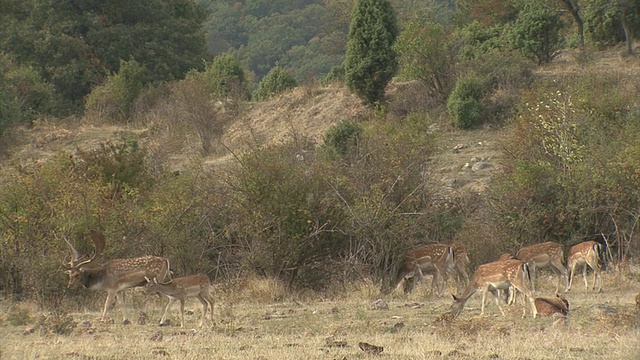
column 370, row 61
column 76, row 45
column 537, row 34
column 424, row 54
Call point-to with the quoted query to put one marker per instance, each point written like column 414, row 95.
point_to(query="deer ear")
column 454, row 297
column 148, row 280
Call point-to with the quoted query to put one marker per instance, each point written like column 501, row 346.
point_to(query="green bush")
column 23, row 94
column 224, row 77
column 335, row 75
column 537, row 34
column 275, row 82
column 464, row 103
column 114, row 99
column 343, row 137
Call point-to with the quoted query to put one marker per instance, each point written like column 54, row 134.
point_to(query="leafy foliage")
column 75, row 46
column 427, row 55
column 225, row 77
column 370, row 61
column 537, row 34
column 343, row 137
column 275, row 82
column 464, row 103
column 114, row 99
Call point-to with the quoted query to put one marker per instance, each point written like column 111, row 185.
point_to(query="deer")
column 546, row 254
column 435, row 259
column 115, row 275
column 556, row 307
column 461, row 261
column 497, row 275
column 182, row 288
column 583, row 254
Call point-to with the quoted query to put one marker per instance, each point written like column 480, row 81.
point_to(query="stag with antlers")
column 115, row 275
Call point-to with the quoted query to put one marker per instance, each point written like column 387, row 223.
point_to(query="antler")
column 99, row 244
column 74, row 253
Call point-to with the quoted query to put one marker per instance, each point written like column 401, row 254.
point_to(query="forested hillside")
column 234, row 138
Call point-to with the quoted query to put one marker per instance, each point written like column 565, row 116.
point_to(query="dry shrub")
column 260, row 290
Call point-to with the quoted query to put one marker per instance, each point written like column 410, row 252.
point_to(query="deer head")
column 74, row 266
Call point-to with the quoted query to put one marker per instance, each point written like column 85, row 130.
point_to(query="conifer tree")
column 370, row 61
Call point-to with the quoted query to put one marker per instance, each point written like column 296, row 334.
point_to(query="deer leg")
column 584, row 276
column 111, row 296
column 205, row 305
column 484, row 296
column 572, row 270
column 124, row 307
column 495, row 295
column 166, row 309
column 532, row 272
column 562, row 275
column 181, row 312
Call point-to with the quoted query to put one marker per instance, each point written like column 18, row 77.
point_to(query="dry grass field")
column 248, row 325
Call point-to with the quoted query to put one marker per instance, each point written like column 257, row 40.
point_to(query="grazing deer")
column 556, row 306
column 435, row 259
column 511, row 292
column 115, row 275
column 461, row 261
column 181, row 288
column 583, row 254
column 542, row 255
column 497, row 275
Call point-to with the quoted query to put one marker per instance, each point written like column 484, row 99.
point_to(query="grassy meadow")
column 249, row 324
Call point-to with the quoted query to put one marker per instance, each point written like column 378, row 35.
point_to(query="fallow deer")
column 113, row 276
column 497, row 275
column 546, row 254
column 435, row 259
column 461, row 262
column 182, row 288
column 556, row 307
column 583, row 254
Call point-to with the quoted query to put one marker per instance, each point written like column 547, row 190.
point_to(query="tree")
column 537, row 34
column 76, row 45
column 425, row 55
column 370, row 61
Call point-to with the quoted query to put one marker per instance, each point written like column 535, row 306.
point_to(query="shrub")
column 343, row 137
column 537, row 34
column 335, row 75
column 224, row 77
column 114, row 99
column 275, row 82
column 464, row 103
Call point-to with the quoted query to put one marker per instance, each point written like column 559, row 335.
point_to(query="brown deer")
column 546, row 254
column 461, row 262
column 182, row 288
column 497, row 275
column 583, row 254
column 115, row 275
column 434, row 259
column 555, row 306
